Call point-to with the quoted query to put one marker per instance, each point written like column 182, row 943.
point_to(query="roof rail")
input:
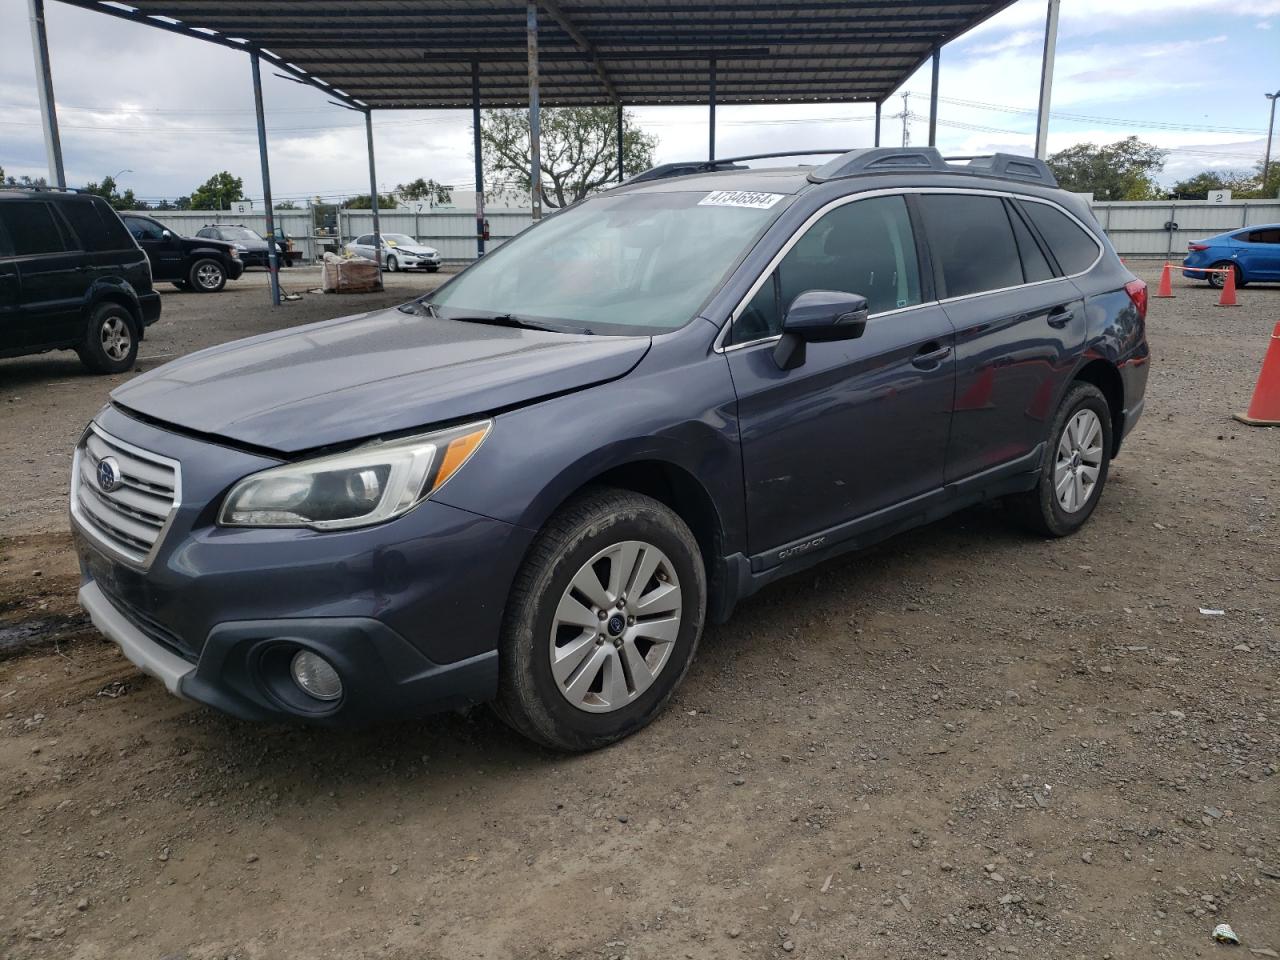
column 897, row 159
column 684, row 168
column 41, row 187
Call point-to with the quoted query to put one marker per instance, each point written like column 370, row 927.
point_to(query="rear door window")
column 971, row 238
column 31, row 227
column 864, row 247
column 1072, row 246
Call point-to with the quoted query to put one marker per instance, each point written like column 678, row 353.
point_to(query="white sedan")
column 399, row 252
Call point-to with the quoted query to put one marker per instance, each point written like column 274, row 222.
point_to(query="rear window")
column 96, row 225
column 31, row 227
column 973, row 239
column 1074, row 248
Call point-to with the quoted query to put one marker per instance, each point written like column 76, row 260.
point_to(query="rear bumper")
column 149, row 305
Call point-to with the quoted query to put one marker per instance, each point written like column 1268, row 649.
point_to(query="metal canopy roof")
column 418, row 54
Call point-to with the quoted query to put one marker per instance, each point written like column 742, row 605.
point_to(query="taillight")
column 1197, row 247
column 1137, row 291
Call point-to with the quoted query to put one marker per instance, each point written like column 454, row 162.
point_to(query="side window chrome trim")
column 720, row 346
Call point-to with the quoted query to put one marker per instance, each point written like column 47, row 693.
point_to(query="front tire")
column 207, row 276
column 1075, row 466
column 393, row 265
column 602, row 622
column 110, row 342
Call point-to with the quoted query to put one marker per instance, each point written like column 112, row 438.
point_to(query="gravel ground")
column 961, row 743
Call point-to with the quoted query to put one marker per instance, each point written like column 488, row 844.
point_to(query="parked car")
column 536, row 484
column 71, row 278
column 399, row 252
column 249, row 243
column 199, row 264
column 1253, row 253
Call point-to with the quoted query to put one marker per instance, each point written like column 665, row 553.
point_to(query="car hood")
column 375, row 373
column 417, row 250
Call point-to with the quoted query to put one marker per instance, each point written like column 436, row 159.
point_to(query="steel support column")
column 373, row 195
column 621, row 141
column 711, row 99
column 933, row 99
column 535, row 114
column 48, row 107
column 1046, row 78
column 273, row 257
column 475, row 133
column 879, row 104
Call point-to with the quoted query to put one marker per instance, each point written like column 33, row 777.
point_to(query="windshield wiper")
column 511, row 320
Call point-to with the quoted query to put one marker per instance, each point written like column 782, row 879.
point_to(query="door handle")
column 930, row 355
column 1059, row 317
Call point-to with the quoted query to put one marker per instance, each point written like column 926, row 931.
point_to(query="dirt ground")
column 964, row 742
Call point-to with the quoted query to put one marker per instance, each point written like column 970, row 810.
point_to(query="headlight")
column 368, row 485
column 235, row 253
column 241, row 247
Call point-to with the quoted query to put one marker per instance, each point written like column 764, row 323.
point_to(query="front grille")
column 130, row 519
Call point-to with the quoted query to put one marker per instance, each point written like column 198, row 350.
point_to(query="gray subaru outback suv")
column 535, row 485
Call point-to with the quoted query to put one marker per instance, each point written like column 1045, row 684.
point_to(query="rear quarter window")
column 96, row 225
column 1072, row 246
column 31, row 227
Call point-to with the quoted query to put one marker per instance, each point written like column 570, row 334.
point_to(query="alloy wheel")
column 116, row 338
column 209, row 276
column 1079, row 461
column 615, row 626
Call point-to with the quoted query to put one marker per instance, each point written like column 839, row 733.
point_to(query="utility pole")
column 1266, row 162
column 904, row 116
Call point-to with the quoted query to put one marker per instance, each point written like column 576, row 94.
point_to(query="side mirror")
column 166, row 234
column 819, row 316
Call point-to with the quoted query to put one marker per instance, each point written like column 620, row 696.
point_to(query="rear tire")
column 110, row 342
column 207, row 276
column 1075, row 466
column 582, row 668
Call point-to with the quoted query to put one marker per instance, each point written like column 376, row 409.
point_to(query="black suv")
column 71, row 278
column 536, row 483
column 199, row 264
column 250, row 244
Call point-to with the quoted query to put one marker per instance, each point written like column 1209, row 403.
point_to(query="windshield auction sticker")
column 740, row 198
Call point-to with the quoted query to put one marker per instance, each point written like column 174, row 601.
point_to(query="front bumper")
column 235, row 268
column 409, row 612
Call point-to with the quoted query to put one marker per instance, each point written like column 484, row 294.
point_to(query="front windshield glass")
column 631, row 263
column 239, row 233
column 398, row 239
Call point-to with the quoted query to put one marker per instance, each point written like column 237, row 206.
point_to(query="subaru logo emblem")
column 109, row 476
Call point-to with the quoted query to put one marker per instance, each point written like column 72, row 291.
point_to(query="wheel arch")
column 125, row 297
column 679, row 489
column 1104, row 375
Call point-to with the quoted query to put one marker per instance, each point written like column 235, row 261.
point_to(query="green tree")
column 362, row 202
column 1125, row 170
column 108, row 191
column 420, row 189
column 285, row 205
column 22, row 181
column 218, row 192
column 578, row 150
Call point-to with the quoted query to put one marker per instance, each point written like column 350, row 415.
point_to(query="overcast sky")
column 1188, row 75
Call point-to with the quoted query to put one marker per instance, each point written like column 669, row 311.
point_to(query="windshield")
column 632, row 263
column 398, row 239
column 239, row 233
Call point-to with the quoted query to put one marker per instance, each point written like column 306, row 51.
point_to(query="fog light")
column 316, row 676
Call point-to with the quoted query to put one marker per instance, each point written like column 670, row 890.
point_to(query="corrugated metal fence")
column 1136, row 228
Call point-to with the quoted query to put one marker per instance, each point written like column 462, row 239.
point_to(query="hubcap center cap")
column 616, row 625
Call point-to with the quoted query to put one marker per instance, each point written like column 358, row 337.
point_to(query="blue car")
column 1254, row 252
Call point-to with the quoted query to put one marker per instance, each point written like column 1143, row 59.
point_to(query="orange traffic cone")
column 1166, row 282
column 1264, row 408
column 1228, row 298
